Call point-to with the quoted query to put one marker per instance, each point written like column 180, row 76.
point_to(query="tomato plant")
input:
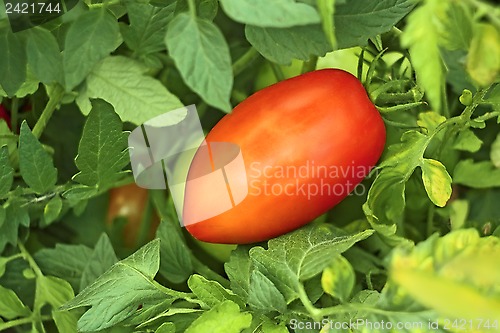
column 324, row 244
column 310, row 122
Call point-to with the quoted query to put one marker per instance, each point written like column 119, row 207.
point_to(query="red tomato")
column 306, row 143
column 4, row 115
column 129, row 201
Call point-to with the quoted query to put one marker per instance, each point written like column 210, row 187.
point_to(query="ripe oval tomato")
column 130, row 201
column 306, row 142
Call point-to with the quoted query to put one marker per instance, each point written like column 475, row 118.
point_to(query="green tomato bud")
column 466, row 97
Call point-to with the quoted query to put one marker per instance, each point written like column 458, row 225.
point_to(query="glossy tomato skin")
column 322, row 122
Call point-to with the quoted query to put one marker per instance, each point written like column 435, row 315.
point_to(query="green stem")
column 12, row 137
column 384, row 88
column 352, row 307
column 104, row 4
column 55, row 99
column 277, row 72
column 192, row 8
column 14, row 114
column 400, row 125
column 204, row 270
column 361, row 60
column 146, row 222
column 310, row 65
column 444, row 97
column 304, row 298
column 371, row 70
column 166, row 60
column 190, row 297
column 27, row 256
column 238, row 95
column 22, row 321
column 413, row 95
column 486, row 9
column 245, row 60
column 401, row 107
column 160, row 203
column 488, row 116
column 430, row 220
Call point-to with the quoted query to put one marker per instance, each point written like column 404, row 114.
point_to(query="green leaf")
column 55, row 292
column 6, row 172
column 476, row 175
column 459, row 210
column 175, row 263
column 28, row 87
column 494, row 153
column 270, row 14
column 35, row 164
column 166, row 328
column 102, row 258
column 301, row 255
column 386, row 197
column 15, row 216
column 263, row 294
column 338, row 279
column 357, row 21
column 206, row 9
column 404, row 157
column 326, row 9
column 421, row 36
column 483, row 60
column 437, row 182
column 238, row 271
column 135, row 97
column 52, row 210
column 90, row 38
column 102, row 151
column 11, row 306
column 44, row 56
column 457, row 30
column 223, row 318
column 439, row 292
column 4, row 133
column 116, row 294
column 202, row 56
column 270, row 327
column 13, row 64
column 211, row 292
column 147, row 28
column 467, row 141
column 430, row 120
column 80, row 192
column 459, row 282
column 2, row 216
column 283, row 45
column 64, row 261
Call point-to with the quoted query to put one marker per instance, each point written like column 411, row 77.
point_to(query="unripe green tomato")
column 345, row 59
column 221, row 252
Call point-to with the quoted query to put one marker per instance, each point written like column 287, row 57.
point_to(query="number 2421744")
column 32, row 8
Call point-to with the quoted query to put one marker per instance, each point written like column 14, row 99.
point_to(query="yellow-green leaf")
column 450, row 298
column 483, row 61
column 437, row 182
column 338, row 279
